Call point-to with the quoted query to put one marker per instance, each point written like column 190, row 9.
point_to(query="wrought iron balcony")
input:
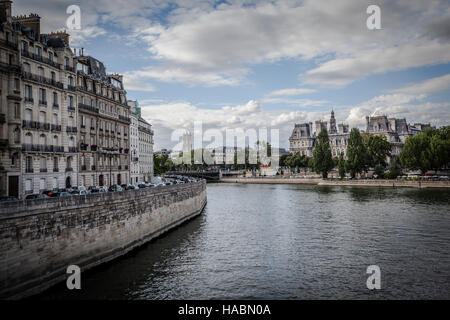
column 41, row 79
column 40, row 58
column 86, row 107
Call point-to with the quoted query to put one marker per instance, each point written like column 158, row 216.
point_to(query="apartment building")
column 37, row 148
column 103, row 125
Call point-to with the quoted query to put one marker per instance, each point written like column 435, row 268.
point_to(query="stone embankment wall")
column 353, row 183
column 40, row 238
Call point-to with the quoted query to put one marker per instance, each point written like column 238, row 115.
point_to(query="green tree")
column 162, row 164
column 356, row 153
column 428, row 150
column 378, row 149
column 379, row 171
column 341, row 165
column 394, row 170
column 323, row 161
column 416, row 153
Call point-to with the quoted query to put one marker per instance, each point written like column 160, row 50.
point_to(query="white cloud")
column 292, row 92
column 426, row 87
column 342, row 71
column 409, row 106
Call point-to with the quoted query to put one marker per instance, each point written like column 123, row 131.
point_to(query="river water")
column 289, row 242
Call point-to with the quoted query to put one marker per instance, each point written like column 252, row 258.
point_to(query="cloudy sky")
column 252, row 64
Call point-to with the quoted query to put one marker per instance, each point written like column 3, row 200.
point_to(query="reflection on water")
column 289, row 242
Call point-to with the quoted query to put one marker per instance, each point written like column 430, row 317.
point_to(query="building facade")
column 145, row 133
column 64, row 121
column 104, row 121
column 35, row 101
column 303, row 138
column 396, row 131
column 134, row 143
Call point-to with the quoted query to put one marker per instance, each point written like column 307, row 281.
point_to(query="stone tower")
column 333, row 129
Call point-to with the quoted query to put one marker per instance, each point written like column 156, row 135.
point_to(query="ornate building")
column 145, row 149
column 134, row 143
column 64, row 121
column 302, row 138
column 141, row 145
column 395, row 130
column 35, row 101
column 104, row 120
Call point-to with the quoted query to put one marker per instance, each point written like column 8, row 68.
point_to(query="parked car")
column 115, row 188
column 79, row 192
column 61, row 194
column 142, row 185
column 102, row 189
column 78, row 188
column 6, row 198
column 37, row 196
column 93, row 189
column 129, row 187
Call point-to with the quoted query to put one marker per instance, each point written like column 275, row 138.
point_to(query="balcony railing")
column 28, row 124
column 41, row 79
column 69, row 169
column 71, row 129
column 55, row 105
column 42, row 148
column 40, row 59
column 56, row 127
column 123, row 118
column 83, row 146
column 71, row 108
column 92, row 168
column 94, row 147
column 10, row 44
column 55, row 169
column 71, row 88
column 83, row 167
column 43, row 102
column 72, row 149
column 29, row 99
column 29, row 170
column 87, row 108
column 43, row 170
column 69, row 68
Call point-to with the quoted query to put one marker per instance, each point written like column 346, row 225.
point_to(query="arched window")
column 55, row 118
column 28, row 114
column 71, row 142
column 42, row 117
column 28, row 138
column 16, row 135
column 55, row 140
column 69, row 162
column 14, row 159
column 26, row 67
column 42, row 139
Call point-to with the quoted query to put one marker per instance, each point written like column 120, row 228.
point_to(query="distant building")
column 145, row 149
column 302, row 139
column 396, row 131
column 134, row 143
